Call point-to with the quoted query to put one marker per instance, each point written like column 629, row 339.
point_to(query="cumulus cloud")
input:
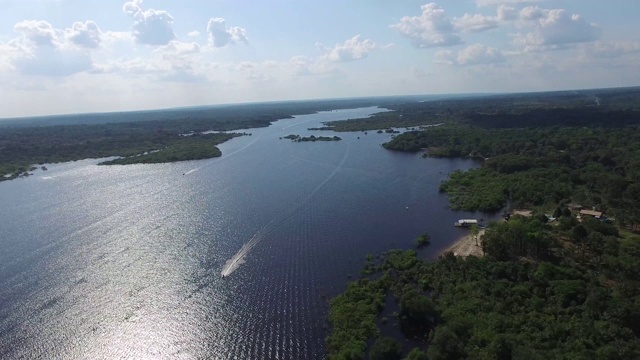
column 475, row 23
column 38, row 32
column 533, row 13
column 84, row 34
column 7, row 54
column 355, row 48
column 507, row 13
column 483, row 3
column 555, row 29
column 476, row 54
column 220, row 35
column 431, row 29
column 151, row 27
column 42, row 49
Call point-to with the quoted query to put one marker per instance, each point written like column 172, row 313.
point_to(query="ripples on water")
column 125, row 261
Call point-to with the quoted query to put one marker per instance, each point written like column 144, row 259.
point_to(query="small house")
column 592, row 213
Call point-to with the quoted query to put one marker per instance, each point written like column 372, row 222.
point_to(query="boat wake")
column 239, row 258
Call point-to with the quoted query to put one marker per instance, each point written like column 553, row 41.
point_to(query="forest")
column 589, row 155
column 193, row 147
column 21, row 147
column 26, row 142
column 556, row 285
column 544, row 290
column 311, row 138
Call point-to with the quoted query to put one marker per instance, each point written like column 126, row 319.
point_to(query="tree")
column 423, row 240
column 417, row 307
column 386, row 348
column 446, row 345
column 416, row 354
column 579, row 235
column 475, row 230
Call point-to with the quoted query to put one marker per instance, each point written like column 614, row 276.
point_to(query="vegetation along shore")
column 558, row 282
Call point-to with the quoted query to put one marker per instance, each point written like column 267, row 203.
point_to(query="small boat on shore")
column 465, row 223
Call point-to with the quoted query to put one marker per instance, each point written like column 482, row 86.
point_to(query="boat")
column 465, row 223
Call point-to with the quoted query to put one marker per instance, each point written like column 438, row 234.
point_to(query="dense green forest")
column 561, row 290
column 574, row 108
column 538, row 167
column 30, row 141
column 538, row 156
column 20, row 147
column 312, row 138
column 193, row 147
column 552, row 286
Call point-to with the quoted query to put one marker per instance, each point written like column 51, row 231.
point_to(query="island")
column 192, row 147
column 557, row 280
column 139, row 136
column 298, row 138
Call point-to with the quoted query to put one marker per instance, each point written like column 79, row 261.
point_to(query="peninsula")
column 558, row 282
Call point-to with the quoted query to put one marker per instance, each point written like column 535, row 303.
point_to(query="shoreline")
column 465, row 246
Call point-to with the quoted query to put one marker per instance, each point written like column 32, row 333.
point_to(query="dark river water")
column 107, row 262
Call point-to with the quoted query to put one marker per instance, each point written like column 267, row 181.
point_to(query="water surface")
column 104, row 262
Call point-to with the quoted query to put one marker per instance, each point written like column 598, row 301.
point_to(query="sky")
column 77, row 56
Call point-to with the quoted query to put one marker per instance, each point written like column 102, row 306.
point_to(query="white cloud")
column 483, row 3
column 110, row 37
column 176, row 61
column 84, row 35
column 256, row 71
column 151, row 27
column 48, row 61
column 480, row 54
column 179, row 48
column 475, row 23
column 352, row 49
column 194, row 33
column 612, row 49
column 304, row 65
column 507, row 13
column 137, row 66
column 38, row 32
column 533, row 13
column 220, row 35
column 476, row 54
column 7, row 54
column 44, row 50
column 431, row 29
column 555, row 29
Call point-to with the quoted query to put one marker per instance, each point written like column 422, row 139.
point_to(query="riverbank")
column 466, row 246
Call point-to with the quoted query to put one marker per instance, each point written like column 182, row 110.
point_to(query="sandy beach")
column 466, row 245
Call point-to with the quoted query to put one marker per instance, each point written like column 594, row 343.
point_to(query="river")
column 105, row 262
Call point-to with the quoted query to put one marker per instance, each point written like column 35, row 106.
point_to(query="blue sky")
column 70, row 56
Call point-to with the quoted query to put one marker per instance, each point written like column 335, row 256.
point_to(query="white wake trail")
column 239, row 258
column 224, row 156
